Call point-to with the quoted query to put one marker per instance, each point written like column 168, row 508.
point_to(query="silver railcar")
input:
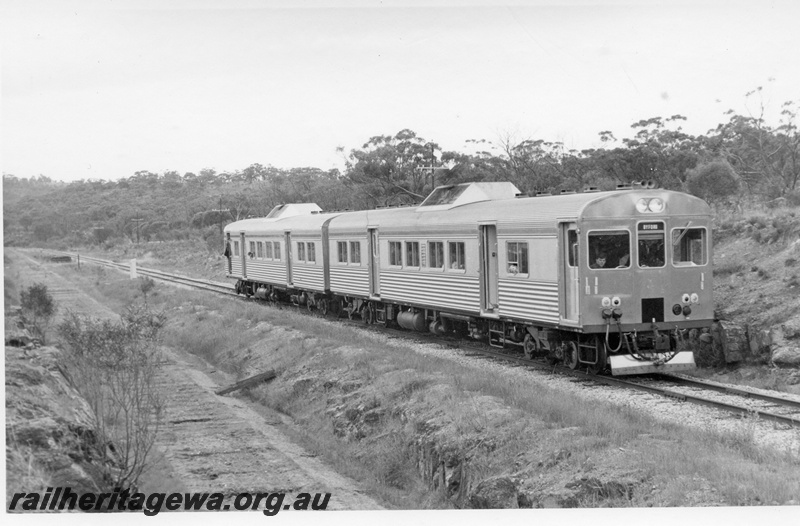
column 595, row 279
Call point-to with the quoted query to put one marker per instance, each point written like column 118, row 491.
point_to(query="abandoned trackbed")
column 220, row 444
column 214, row 443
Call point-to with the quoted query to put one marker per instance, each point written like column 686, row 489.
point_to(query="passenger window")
column 435, row 254
column 278, row 250
column 312, row 253
column 342, row 251
column 301, row 251
column 517, row 257
column 457, row 260
column 268, row 248
column 689, row 246
column 650, row 244
column 609, row 249
column 412, row 253
column 260, row 250
column 252, row 252
column 355, row 252
column 395, row 253
column 235, row 248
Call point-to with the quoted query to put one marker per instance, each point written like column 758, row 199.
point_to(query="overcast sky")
column 102, row 89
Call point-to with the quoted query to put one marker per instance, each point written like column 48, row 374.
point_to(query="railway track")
column 772, row 408
column 213, row 286
column 678, row 387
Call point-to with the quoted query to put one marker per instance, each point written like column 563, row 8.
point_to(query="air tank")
column 414, row 321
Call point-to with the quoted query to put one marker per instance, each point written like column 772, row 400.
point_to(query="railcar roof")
column 542, row 211
column 536, row 212
column 300, row 224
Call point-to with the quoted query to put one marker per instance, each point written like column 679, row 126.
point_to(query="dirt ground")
column 211, row 443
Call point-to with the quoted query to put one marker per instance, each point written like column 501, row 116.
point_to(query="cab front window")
column 689, row 247
column 650, row 244
column 609, row 249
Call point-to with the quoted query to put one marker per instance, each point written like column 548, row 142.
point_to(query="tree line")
column 743, row 159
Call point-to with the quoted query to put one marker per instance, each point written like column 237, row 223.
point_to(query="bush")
column 213, row 239
column 714, row 181
column 38, row 308
column 113, row 366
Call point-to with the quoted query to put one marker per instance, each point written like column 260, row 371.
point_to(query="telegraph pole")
column 432, row 168
column 219, row 210
column 138, row 222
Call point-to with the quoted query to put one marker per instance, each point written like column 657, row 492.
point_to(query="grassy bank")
column 423, row 431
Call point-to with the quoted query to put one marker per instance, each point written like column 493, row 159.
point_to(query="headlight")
column 656, row 205
column 606, row 302
column 686, row 299
column 695, row 298
column 687, row 310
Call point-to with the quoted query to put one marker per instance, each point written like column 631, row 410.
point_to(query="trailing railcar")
column 595, row 279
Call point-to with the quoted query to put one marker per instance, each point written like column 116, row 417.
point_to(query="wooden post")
column 247, row 382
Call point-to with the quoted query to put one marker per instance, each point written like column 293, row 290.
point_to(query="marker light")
column 686, row 299
column 615, row 301
column 606, row 302
column 695, row 298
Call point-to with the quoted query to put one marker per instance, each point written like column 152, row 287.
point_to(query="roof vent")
column 567, row 192
column 543, row 194
column 446, row 197
column 590, row 189
column 624, row 186
column 293, row 209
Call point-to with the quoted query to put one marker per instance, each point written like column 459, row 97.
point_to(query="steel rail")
column 711, row 386
column 213, row 286
column 609, row 380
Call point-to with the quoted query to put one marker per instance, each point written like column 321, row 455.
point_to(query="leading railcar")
column 596, row 280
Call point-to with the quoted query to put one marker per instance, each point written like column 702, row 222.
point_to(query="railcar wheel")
column 310, row 304
column 351, row 311
column 367, row 315
column 323, row 307
column 336, row 307
column 530, row 346
column 571, row 355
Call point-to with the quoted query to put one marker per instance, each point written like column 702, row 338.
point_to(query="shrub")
column 113, row 366
column 714, row 181
column 728, row 268
column 38, row 308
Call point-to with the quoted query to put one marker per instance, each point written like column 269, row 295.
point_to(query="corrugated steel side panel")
column 528, row 300
column 351, row 281
column 310, row 277
column 445, row 291
column 267, row 271
column 236, row 266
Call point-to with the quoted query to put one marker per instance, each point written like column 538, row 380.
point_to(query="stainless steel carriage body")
column 521, row 260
